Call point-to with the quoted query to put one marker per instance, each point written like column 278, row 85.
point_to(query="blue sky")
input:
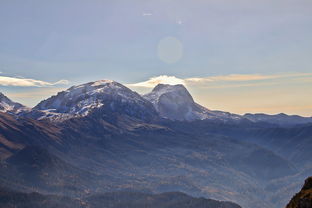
column 80, row 41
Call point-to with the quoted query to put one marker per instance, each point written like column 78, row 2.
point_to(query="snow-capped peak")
column 80, row 100
column 177, row 91
column 7, row 105
column 176, row 103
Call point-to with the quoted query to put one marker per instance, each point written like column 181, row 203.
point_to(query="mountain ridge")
column 15, row 199
column 135, row 155
column 80, row 100
column 164, row 101
column 8, row 106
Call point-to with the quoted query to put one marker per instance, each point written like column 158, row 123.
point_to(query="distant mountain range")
column 171, row 102
column 102, row 137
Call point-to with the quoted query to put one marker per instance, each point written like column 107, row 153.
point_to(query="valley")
column 101, row 137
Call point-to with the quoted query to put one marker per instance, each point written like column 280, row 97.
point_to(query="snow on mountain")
column 172, row 102
column 8, row 106
column 82, row 99
column 176, row 103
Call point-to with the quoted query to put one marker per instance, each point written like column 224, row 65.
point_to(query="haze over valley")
column 102, row 137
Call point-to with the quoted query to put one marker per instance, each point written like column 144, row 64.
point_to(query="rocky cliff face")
column 303, row 199
column 174, row 102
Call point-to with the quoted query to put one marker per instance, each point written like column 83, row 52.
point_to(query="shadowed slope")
column 10, row 199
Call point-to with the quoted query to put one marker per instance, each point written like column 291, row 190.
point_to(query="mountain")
column 18, row 132
column 79, row 101
column 163, row 200
column 303, row 199
column 120, row 152
column 38, row 169
column 291, row 143
column 174, row 102
column 7, row 105
column 108, row 138
column 285, row 187
column 15, row 199
column 280, row 119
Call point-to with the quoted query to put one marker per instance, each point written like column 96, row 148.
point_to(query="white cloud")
column 61, row 82
column 153, row 81
column 147, row 14
column 231, row 78
column 245, row 77
column 23, row 82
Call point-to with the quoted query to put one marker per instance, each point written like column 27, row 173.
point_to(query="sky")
column 232, row 55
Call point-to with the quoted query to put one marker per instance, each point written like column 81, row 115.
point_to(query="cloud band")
column 232, row 78
column 23, row 82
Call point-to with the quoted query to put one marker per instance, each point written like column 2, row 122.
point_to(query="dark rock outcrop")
column 303, row 199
